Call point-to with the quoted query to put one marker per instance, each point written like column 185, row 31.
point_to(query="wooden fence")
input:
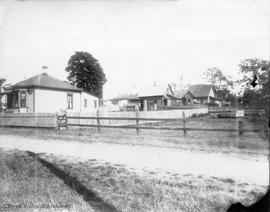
column 138, row 126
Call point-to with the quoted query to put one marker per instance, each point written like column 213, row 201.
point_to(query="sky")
column 136, row 42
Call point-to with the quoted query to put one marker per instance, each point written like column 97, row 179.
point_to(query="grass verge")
column 26, row 185
column 26, row 181
column 228, row 142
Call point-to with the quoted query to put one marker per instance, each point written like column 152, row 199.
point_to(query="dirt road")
column 157, row 159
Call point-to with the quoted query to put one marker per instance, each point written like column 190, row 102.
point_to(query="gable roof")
column 84, row 91
column 46, row 82
column 200, row 90
column 154, row 90
column 180, row 93
column 157, row 90
column 126, row 97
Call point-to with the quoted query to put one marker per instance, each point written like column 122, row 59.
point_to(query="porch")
column 14, row 101
column 154, row 103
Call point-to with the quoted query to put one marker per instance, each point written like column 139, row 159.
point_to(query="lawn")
column 85, row 185
column 251, row 143
column 25, row 184
column 49, row 181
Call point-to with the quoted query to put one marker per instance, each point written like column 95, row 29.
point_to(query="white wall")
column 211, row 93
column 90, row 103
column 128, row 114
column 48, row 120
column 50, row 101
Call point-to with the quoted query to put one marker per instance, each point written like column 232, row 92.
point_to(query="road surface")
column 157, row 159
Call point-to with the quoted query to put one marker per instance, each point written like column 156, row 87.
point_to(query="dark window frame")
column 69, row 101
column 95, row 104
column 23, row 100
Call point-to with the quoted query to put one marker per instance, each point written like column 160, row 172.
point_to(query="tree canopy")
column 255, row 82
column 220, row 82
column 2, row 81
column 85, row 72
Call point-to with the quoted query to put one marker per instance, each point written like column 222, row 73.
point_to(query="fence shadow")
column 89, row 196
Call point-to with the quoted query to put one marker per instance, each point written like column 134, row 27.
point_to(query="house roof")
column 45, row 81
column 180, row 93
column 200, row 90
column 155, row 90
column 127, row 97
column 90, row 94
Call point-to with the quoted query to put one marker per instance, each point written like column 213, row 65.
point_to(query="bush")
column 212, row 104
column 198, row 115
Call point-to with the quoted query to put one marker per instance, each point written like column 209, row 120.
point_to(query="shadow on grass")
column 89, row 196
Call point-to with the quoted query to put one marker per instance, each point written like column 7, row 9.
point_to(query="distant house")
column 126, row 102
column 45, row 94
column 200, row 93
column 180, row 93
column 157, row 97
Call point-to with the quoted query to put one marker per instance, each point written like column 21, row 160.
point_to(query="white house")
column 45, row 94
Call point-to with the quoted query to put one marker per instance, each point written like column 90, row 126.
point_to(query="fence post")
column 137, row 121
column 240, row 127
column 98, row 122
column 184, row 123
column 66, row 121
column 57, row 122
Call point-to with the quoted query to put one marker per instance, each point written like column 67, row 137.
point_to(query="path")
column 160, row 159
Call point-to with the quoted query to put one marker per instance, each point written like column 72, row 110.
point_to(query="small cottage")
column 200, row 93
column 127, row 102
column 45, row 94
column 157, row 98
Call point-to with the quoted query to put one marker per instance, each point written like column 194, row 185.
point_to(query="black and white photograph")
column 134, row 105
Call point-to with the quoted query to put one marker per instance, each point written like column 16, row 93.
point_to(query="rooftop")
column 200, row 90
column 44, row 81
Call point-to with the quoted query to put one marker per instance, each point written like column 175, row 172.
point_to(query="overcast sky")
column 136, row 42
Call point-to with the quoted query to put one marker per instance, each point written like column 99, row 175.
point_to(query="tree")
column 255, row 82
column 220, row 82
column 2, row 81
column 86, row 73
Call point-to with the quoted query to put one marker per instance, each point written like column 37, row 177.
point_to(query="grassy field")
column 25, row 185
column 28, row 180
column 228, row 142
column 84, row 186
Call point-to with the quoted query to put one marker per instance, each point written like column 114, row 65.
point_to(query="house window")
column 95, row 104
column 69, row 101
column 165, row 102
column 85, row 102
column 23, row 99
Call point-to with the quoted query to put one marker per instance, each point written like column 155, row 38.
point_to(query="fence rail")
column 138, row 124
column 124, row 118
column 163, row 128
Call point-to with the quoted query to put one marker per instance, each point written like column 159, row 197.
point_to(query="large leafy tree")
column 255, row 82
column 221, row 83
column 84, row 71
column 2, row 81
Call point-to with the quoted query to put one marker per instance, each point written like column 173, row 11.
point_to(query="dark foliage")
column 221, row 83
column 2, row 81
column 86, row 73
column 255, row 83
